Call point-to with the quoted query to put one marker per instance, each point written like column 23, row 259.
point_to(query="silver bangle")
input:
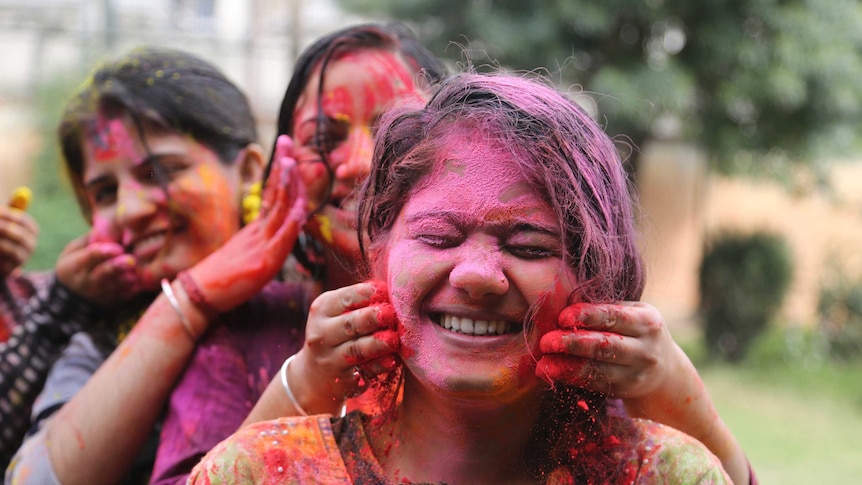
column 172, row 299
column 286, row 385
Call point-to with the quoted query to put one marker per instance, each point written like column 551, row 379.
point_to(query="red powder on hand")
column 381, row 295
column 386, row 316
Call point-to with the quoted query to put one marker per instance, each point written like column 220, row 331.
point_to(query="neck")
column 435, row 439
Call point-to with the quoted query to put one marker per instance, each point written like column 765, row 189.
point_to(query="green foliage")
column 839, row 309
column 754, row 76
column 54, row 206
column 742, row 280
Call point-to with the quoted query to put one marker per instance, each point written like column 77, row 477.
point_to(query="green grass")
column 799, row 418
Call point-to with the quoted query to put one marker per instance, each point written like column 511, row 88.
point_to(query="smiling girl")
column 160, row 147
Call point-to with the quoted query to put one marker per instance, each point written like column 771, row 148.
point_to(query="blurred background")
column 740, row 121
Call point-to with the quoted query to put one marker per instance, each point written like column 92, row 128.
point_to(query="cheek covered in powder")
column 338, row 100
column 206, row 198
column 408, row 281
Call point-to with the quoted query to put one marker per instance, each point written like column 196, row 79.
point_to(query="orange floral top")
column 303, row 450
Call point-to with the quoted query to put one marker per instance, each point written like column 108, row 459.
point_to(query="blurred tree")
column 743, row 78
column 743, row 280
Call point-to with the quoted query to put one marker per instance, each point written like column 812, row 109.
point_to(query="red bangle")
column 196, row 296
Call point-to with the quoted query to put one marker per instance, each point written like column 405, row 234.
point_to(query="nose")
column 356, row 161
column 136, row 203
column 480, row 272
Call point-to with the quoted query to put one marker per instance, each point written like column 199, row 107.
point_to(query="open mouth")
column 479, row 328
column 150, row 245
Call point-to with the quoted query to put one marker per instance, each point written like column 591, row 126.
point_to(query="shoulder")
column 671, row 456
column 280, row 451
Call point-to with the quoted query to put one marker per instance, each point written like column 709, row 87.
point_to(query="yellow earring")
column 251, row 203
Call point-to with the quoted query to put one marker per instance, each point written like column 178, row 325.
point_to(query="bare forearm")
column 685, row 404
column 96, row 436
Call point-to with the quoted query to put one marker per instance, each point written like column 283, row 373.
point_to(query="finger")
column 119, row 269
column 16, row 234
column 19, row 221
column 336, row 302
column 98, row 253
column 609, row 379
column 283, row 148
column 12, row 255
column 295, row 214
column 370, row 348
column 633, row 319
column 275, row 193
column 76, row 244
column 557, row 368
column 603, row 347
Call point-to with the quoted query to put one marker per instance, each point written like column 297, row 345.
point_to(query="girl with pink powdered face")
column 490, row 215
column 340, row 88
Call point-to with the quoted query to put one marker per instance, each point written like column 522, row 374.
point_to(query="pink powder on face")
column 111, row 140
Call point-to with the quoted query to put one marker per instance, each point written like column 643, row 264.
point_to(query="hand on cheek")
column 98, row 271
column 350, row 339
column 249, row 260
column 622, row 349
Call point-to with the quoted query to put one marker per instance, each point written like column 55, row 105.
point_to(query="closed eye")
column 532, row 252
column 438, row 241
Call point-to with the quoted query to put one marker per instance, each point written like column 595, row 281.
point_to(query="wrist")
column 196, row 296
column 193, row 321
column 306, row 396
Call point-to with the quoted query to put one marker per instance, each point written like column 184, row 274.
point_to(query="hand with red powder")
column 625, row 350
column 351, row 328
column 622, row 349
column 252, row 257
column 98, row 271
column 347, row 328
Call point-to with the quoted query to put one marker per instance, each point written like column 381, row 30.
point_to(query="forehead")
column 111, row 138
column 362, row 79
column 478, row 175
column 117, row 142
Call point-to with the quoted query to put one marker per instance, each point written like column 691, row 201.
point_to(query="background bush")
column 839, row 309
column 743, row 280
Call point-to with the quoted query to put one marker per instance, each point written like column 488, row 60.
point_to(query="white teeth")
column 477, row 327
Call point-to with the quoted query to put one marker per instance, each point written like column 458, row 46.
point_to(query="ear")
column 251, row 167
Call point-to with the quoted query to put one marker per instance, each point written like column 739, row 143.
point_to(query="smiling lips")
column 469, row 326
column 147, row 245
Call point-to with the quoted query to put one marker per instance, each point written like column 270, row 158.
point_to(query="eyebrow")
column 463, row 219
column 101, row 179
column 149, row 158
